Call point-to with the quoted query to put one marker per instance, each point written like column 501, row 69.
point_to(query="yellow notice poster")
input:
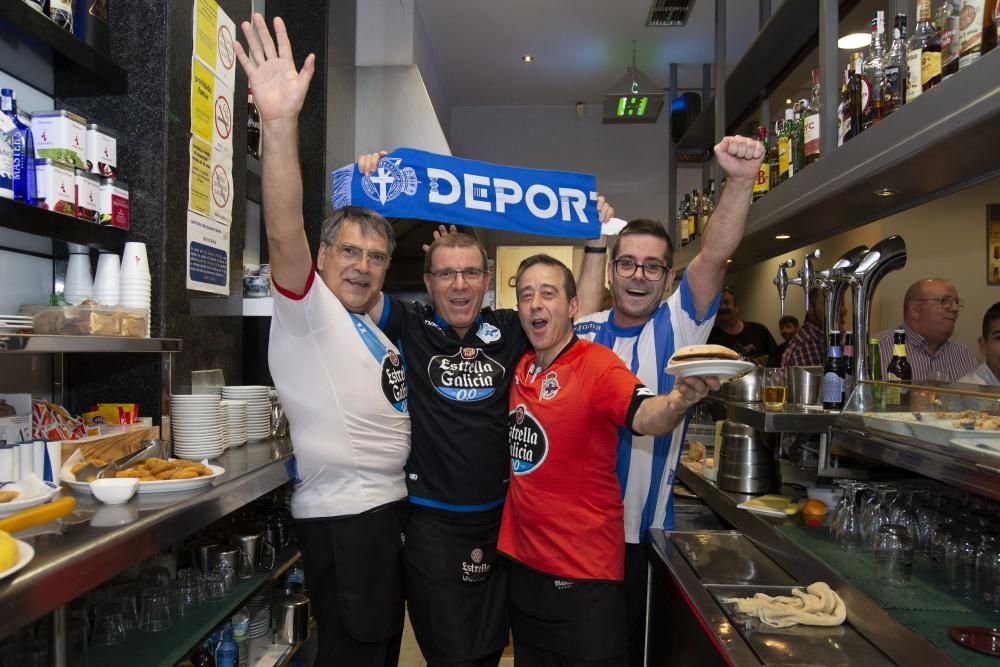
column 214, row 36
column 202, row 100
column 199, row 182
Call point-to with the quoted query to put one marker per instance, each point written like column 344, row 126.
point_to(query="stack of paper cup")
column 135, row 286
column 106, row 279
column 79, row 285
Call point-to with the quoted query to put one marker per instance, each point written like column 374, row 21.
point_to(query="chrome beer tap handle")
column 781, row 281
column 808, row 275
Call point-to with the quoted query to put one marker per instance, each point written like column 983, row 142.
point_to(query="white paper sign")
column 207, row 254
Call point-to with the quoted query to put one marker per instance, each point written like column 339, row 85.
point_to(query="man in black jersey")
column 460, row 359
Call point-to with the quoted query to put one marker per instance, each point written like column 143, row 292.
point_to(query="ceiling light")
column 788, row 101
column 782, row 237
column 527, row 57
column 855, row 40
column 729, row 261
column 886, row 192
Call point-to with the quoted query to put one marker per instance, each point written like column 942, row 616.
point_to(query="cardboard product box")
column 17, row 428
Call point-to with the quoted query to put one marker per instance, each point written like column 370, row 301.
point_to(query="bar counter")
column 73, row 555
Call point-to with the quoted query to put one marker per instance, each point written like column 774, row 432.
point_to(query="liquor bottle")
column 975, row 33
column 811, row 122
column 950, row 42
column 856, row 91
column 762, row 185
column 693, row 212
column 898, row 371
column 844, row 108
column 773, row 159
column 996, row 24
column 873, row 73
column 706, row 211
column 848, row 362
column 834, row 373
column 894, row 92
column 253, row 126
column 202, row 657
column 682, row 221
column 711, row 196
column 784, row 148
column 923, row 55
column 22, row 150
column 797, row 143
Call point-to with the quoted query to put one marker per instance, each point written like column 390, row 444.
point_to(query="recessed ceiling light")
column 527, row 57
column 855, row 40
column 782, row 237
column 886, row 192
column 788, row 101
column 729, row 261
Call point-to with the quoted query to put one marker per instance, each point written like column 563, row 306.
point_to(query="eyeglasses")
column 946, row 302
column 352, row 253
column 626, row 268
column 448, row 275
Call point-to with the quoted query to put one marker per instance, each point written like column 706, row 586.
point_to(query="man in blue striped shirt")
column 644, row 330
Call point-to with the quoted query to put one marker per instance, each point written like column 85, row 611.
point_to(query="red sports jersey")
column 563, row 514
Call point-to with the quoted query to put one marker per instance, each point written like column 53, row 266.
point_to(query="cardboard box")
column 18, row 428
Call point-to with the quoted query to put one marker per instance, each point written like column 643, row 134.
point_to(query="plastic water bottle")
column 241, row 635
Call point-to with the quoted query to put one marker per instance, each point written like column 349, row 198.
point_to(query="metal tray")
column 728, row 557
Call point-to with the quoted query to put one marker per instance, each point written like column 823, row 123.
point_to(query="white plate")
column 162, row 486
column 18, row 505
column 25, row 553
column 724, row 369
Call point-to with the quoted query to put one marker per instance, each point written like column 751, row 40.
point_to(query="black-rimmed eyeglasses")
column 626, row 268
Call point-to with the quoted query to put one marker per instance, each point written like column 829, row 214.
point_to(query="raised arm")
column 661, row 414
column 279, row 91
column 740, row 159
column 590, row 286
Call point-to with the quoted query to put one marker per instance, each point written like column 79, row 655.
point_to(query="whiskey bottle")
column 930, row 50
column 693, row 212
column 784, row 148
column 894, row 92
column 975, row 33
column 682, row 220
column 914, row 52
column 950, row 42
column 772, row 158
column 762, row 185
column 798, row 137
column 873, row 73
column 810, row 124
column 844, row 108
column 858, row 94
column 706, row 211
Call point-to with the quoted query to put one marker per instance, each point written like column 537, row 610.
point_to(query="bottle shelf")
column 60, row 227
column 69, row 53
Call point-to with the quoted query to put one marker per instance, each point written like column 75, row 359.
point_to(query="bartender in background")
column 930, row 311
column 988, row 372
column 751, row 339
column 788, row 326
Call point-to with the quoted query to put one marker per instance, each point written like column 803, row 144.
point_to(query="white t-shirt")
column 646, row 464
column 982, row 375
column 343, row 387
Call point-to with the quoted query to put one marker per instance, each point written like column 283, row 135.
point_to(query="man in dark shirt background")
column 751, row 339
column 788, row 326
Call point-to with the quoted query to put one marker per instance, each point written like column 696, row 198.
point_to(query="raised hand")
column 278, row 88
column 438, row 233
column 739, row 157
column 604, row 210
column 688, row 391
column 368, row 163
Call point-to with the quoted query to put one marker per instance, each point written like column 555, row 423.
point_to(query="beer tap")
column 781, row 281
column 886, row 256
column 807, row 276
column 835, row 281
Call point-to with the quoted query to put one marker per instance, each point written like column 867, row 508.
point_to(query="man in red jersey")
column 562, row 524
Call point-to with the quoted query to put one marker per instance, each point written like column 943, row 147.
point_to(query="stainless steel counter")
column 900, row 644
column 77, row 555
column 786, row 419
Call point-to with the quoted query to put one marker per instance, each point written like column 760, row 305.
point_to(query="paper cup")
column 53, row 461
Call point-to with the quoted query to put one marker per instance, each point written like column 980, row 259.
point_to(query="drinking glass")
column 960, row 562
column 155, row 615
column 774, row 388
column 838, row 511
column 893, row 553
column 876, row 513
column 126, row 602
column 939, row 541
column 849, row 526
column 186, row 597
column 215, row 587
column 109, row 626
column 988, row 572
column 155, row 576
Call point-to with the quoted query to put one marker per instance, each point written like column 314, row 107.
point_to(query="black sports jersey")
column 459, row 388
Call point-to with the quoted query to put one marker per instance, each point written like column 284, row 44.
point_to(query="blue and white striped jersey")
column 646, row 465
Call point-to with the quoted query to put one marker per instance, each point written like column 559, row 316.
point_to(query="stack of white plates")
column 260, row 621
column 234, row 421
column 15, row 323
column 196, row 426
column 258, row 408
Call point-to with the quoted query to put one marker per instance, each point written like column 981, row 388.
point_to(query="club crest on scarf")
column 389, row 181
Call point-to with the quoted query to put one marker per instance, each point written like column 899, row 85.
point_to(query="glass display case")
column 949, row 433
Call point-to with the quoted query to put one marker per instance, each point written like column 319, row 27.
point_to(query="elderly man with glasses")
column 644, row 330
column 930, row 311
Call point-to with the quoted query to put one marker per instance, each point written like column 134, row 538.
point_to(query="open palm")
column 278, row 88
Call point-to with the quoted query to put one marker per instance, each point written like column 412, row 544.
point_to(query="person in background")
column 788, row 326
column 930, row 311
column 342, row 382
column 751, row 339
column 644, row 330
column 562, row 525
column 808, row 346
column 988, row 372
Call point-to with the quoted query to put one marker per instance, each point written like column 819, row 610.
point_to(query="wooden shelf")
column 69, row 53
column 58, row 226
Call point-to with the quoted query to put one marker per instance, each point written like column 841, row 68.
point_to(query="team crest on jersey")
column 469, row 375
column 488, row 333
column 394, row 381
column 550, row 387
column 527, row 440
column 389, row 181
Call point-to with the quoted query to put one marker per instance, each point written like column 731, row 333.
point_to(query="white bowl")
column 114, row 491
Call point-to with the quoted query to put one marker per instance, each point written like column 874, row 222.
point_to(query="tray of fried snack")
column 158, row 475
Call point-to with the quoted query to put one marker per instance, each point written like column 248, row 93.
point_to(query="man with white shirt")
column 341, row 381
column 988, row 372
column 644, row 330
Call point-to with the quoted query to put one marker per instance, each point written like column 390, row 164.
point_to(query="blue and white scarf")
column 425, row 186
